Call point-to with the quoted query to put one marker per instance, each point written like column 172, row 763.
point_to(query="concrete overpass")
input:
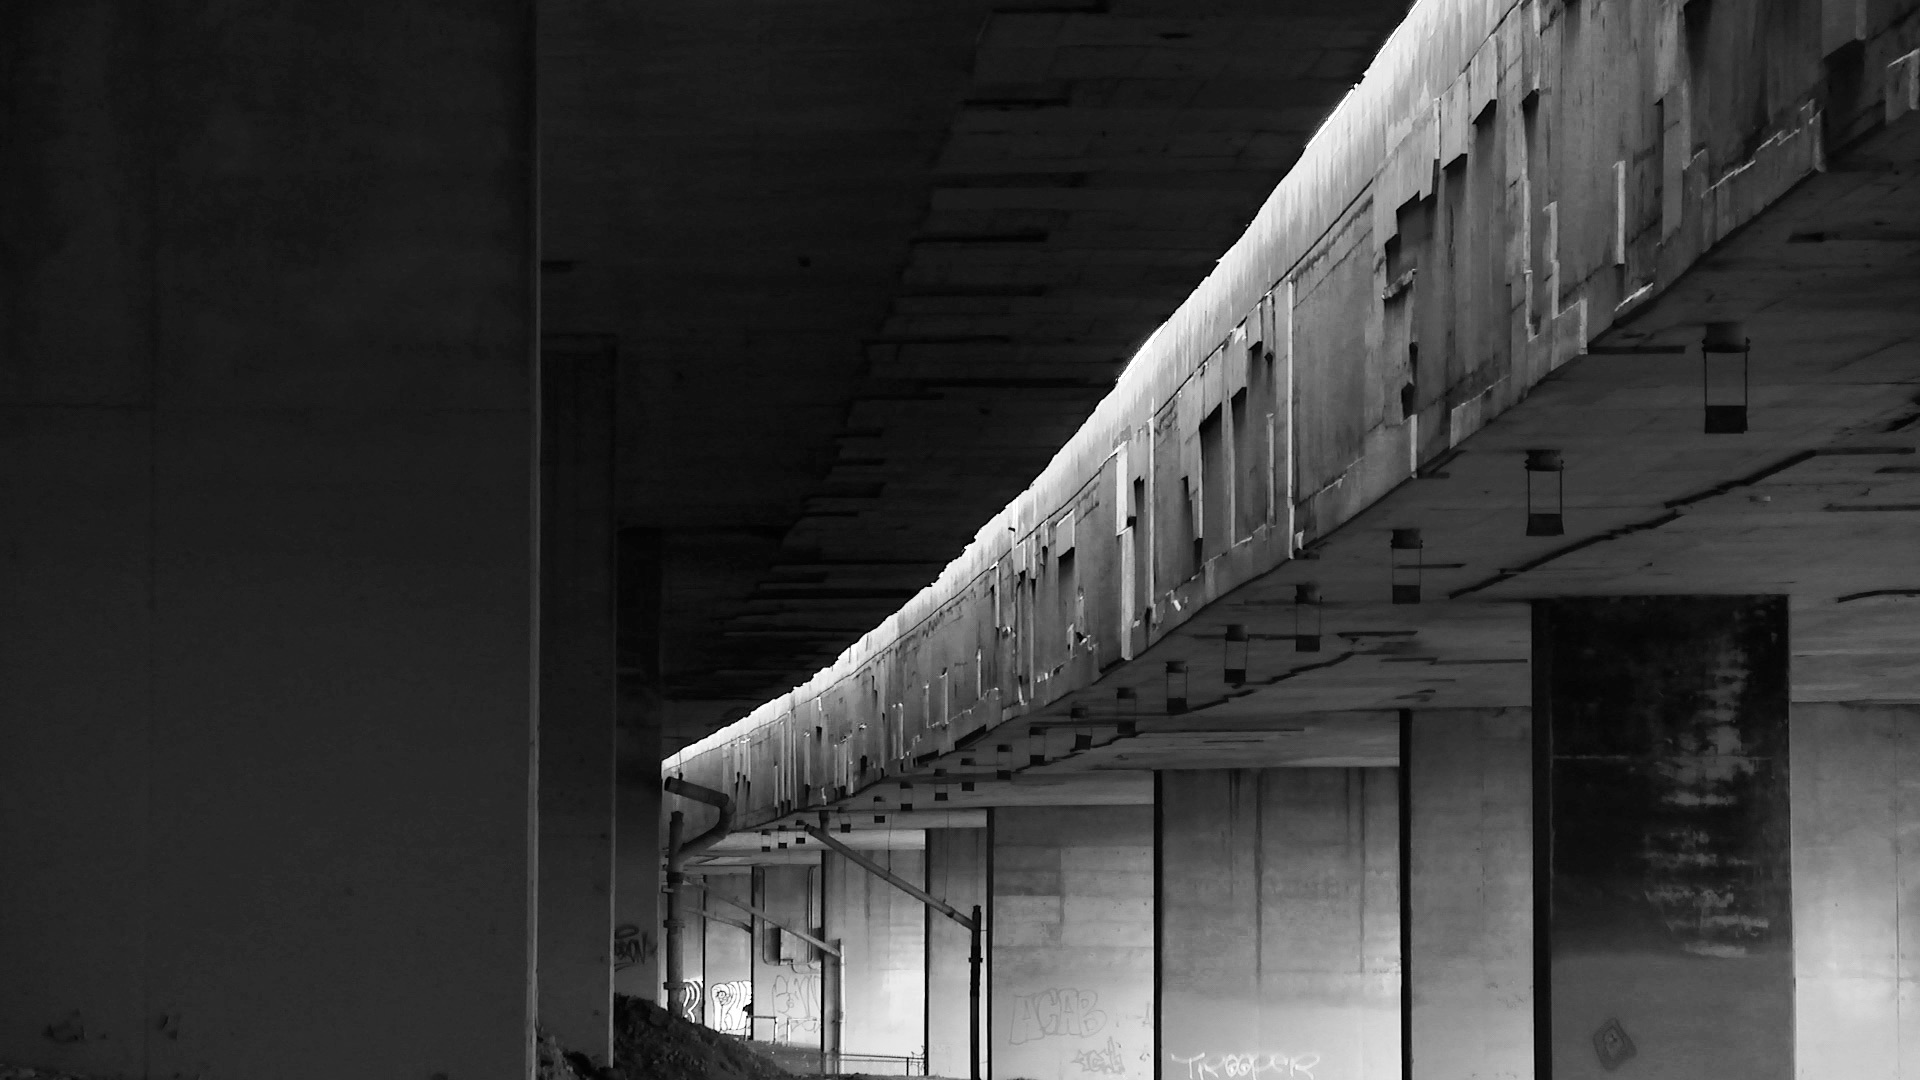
column 1474, row 635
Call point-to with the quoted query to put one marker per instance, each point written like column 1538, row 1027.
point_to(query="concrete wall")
column 883, row 939
column 1072, row 942
column 1279, row 917
column 266, row 433
column 956, row 873
column 1856, row 798
column 787, row 1006
column 1470, row 892
column 727, row 959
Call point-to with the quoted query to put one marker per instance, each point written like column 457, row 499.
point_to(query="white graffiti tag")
column 1206, row 1066
column 1063, row 1011
column 731, row 1003
column 1106, row 1059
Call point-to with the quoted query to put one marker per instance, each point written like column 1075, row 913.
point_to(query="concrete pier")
column 1279, row 923
column 639, row 830
column 1470, row 893
column 577, row 700
column 1856, row 776
column 956, row 873
column 269, row 429
column 1663, row 875
column 883, row 937
column 727, row 955
column 1072, row 955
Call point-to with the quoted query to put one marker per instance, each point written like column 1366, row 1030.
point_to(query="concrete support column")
column 1856, row 933
column 1663, row 885
column 267, row 432
column 638, row 862
column 577, row 694
column 1279, row 913
column 956, row 873
column 728, row 954
column 883, row 939
column 1470, row 893
column 1072, row 942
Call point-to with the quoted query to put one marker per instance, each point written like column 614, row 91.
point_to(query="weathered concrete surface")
column 1662, row 737
column 1470, row 892
column 956, row 873
column 1511, row 184
column 266, row 433
column 1072, row 933
column 1279, row 923
column 727, row 958
column 787, row 972
column 1856, row 796
column 577, row 694
column 883, row 937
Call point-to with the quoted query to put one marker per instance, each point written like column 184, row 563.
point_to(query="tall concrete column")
column 956, row 873
column 1662, row 876
column 883, row 940
column 729, row 955
column 267, row 436
column 638, row 862
column 1856, row 932
column 1279, row 923
column 1470, row 893
column 1072, row 942
column 577, row 695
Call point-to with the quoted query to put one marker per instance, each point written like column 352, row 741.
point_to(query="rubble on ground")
column 650, row 1043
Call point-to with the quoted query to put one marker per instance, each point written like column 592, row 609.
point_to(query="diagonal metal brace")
column 891, row 878
column 826, row 947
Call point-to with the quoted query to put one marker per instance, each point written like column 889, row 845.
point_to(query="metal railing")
column 812, row 1061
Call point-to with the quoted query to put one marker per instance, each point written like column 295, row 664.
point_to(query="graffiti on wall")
column 796, row 1006
column 732, row 1005
column 1104, row 1059
column 686, row 1000
column 630, row 946
column 1212, row 1066
column 1064, row 1010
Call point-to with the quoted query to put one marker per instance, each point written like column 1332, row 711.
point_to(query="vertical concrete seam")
column 1259, row 878
column 530, row 59
column 1159, row 890
column 1899, row 876
column 1405, row 845
column 1540, row 750
column 151, row 147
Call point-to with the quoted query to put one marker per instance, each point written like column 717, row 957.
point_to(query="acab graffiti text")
column 1063, row 1011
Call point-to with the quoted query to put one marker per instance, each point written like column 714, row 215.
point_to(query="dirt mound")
column 650, row 1043
column 552, row 1062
